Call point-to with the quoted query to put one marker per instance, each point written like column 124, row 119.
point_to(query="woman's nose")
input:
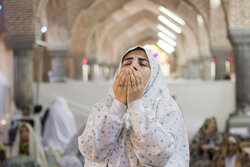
column 135, row 65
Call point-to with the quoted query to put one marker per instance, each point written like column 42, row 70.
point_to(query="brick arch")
column 53, row 14
column 125, row 24
column 78, row 38
column 122, row 28
column 140, row 38
column 109, row 48
column 77, row 9
column 202, row 7
column 217, row 34
column 92, row 36
column 88, row 11
column 115, row 24
column 57, row 33
column 144, row 34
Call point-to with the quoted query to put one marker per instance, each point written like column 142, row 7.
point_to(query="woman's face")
column 231, row 148
column 138, row 60
column 24, row 133
column 211, row 125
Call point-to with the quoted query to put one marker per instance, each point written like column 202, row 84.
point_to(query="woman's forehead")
column 136, row 53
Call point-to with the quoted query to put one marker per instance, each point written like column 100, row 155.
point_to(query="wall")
column 197, row 99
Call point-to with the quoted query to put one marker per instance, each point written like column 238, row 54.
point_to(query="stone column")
column 195, row 69
column 184, row 71
column 58, row 64
column 220, row 54
column 77, row 64
column 206, row 67
column 240, row 40
column 23, row 49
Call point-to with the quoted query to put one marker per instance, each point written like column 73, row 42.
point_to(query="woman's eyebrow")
column 128, row 58
column 131, row 58
column 142, row 59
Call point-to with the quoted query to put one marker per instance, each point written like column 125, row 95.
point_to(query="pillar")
column 58, row 63
column 195, row 69
column 76, row 65
column 206, row 67
column 23, row 49
column 220, row 54
column 240, row 40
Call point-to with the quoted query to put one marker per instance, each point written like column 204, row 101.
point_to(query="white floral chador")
column 148, row 132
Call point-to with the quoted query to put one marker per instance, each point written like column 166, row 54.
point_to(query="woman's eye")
column 126, row 64
column 143, row 64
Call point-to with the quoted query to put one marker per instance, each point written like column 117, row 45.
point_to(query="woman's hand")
column 135, row 88
column 120, row 86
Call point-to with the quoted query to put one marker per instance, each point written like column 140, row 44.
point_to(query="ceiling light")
column 172, row 15
column 169, row 24
column 200, row 20
column 165, row 31
column 166, row 47
column 166, row 38
column 215, row 4
column 43, row 29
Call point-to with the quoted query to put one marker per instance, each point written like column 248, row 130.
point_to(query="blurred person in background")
column 59, row 128
column 231, row 154
column 27, row 143
column 205, row 144
column 2, row 154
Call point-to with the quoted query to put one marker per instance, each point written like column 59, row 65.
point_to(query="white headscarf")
column 157, row 97
column 4, row 95
column 60, row 125
column 35, row 146
column 156, row 79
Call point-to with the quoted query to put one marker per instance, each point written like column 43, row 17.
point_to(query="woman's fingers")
column 118, row 77
column 137, row 77
column 125, row 82
column 122, row 80
column 132, row 79
column 120, row 88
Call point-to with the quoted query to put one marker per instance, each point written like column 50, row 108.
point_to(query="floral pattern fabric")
column 148, row 132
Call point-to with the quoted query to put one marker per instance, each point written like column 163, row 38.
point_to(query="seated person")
column 27, row 143
column 231, row 154
column 205, row 144
column 20, row 161
column 2, row 154
column 25, row 110
column 59, row 126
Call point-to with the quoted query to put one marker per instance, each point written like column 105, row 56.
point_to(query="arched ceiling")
column 106, row 21
column 124, row 42
column 100, row 37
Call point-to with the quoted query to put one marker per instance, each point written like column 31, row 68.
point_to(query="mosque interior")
column 52, row 48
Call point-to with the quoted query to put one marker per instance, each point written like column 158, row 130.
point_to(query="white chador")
column 35, row 148
column 148, row 132
column 60, row 126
